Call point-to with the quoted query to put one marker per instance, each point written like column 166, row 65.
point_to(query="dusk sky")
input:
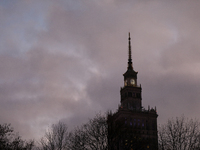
column 63, row 60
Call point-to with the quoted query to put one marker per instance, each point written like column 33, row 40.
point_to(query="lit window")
column 138, row 122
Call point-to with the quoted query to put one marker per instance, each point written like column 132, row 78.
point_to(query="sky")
column 64, row 60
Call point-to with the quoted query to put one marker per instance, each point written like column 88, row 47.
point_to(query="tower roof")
column 130, row 71
column 130, row 66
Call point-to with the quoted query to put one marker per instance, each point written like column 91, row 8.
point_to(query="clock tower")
column 131, row 92
column 132, row 127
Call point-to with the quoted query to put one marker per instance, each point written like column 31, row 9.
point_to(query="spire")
column 130, row 67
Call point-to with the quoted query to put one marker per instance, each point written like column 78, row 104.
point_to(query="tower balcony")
column 140, row 110
column 131, row 86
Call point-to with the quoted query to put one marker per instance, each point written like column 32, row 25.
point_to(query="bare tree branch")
column 179, row 134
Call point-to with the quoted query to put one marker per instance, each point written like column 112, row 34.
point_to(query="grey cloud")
column 64, row 60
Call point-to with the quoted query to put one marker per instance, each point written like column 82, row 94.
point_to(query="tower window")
column 134, row 123
column 125, row 121
column 138, row 95
column 125, row 94
column 142, row 123
column 133, row 94
column 129, row 94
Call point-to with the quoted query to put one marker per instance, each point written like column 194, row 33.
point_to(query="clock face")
column 132, row 81
column 125, row 82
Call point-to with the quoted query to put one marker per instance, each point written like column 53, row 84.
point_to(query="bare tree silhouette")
column 179, row 134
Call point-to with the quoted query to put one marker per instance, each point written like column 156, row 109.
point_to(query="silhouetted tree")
column 179, row 134
column 56, row 138
column 90, row 136
column 11, row 141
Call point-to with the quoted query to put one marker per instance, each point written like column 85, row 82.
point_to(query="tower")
column 132, row 127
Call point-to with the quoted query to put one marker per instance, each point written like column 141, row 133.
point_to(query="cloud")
column 64, row 60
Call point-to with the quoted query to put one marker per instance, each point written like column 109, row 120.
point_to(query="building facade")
column 132, row 127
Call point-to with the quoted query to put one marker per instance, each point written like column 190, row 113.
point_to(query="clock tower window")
column 129, row 94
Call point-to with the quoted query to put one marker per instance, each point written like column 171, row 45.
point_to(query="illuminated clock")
column 132, row 81
column 125, row 82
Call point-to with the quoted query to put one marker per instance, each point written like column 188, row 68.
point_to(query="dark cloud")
column 64, row 60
